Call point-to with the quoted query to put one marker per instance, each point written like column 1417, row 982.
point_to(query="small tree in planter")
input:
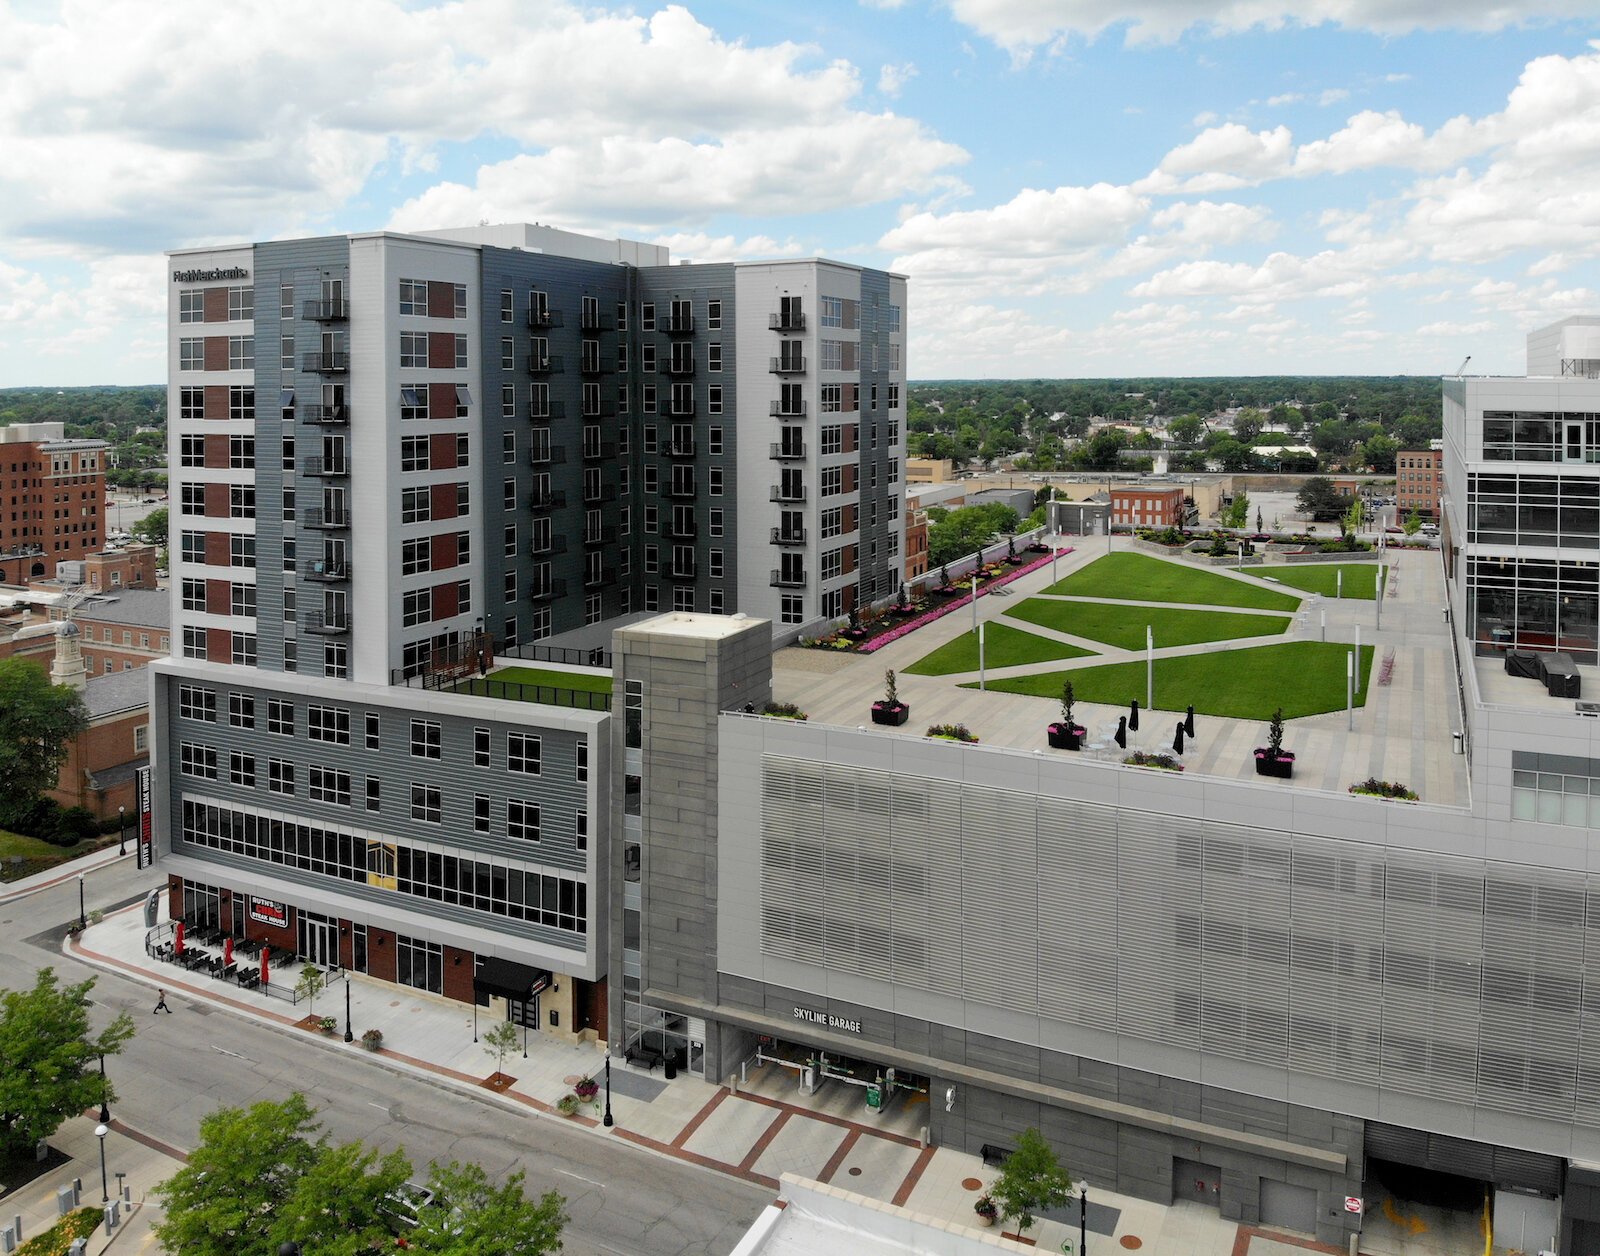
column 372, row 1039
column 1272, row 759
column 986, row 1210
column 890, row 710
column 1064, row 734
column 1031, row 1182
column 944, row 579
column 1011, row 551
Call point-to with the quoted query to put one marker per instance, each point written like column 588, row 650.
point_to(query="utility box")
column 874, row 1096
column 66, row 1201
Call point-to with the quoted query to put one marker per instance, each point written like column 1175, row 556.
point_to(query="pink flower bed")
column 955, row 603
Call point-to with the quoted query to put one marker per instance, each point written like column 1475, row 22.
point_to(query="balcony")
column 599, row 451
column 600, row 536
column 680, row 448
column 544, row 549
column 787, row 450
column 679, row 367
column 793, row 493
column 686, row 530
column 594, row 321
column 333, row 363
column 681, row 490
column 681, row 571
column 788, row 364
column 787, row 579
column 602, row 494
column 548, row 456
column 676, row 324
column 787, row 322
column 325, row 416
column 605, row 410
column 540, row 319
column 788, row 410
column 542, row 365
column 327, row 625
column 327, row 468
column 668, row 410
column 543, row 499
column 550, row 410
column 788, row 536
column 592, row 364
column 324, row 571
column 336, row 311
column 327, row 520
column 601, row 579
column 546, row 590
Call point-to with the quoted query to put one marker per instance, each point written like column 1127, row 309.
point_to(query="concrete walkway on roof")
column 1403, row 733
column 756, row 1130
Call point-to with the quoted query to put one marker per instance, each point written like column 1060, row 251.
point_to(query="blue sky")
column 1075, row 187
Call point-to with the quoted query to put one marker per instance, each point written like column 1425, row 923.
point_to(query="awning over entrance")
column 507, row 979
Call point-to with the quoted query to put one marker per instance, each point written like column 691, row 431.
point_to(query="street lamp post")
column 83, row 915
column 348, row 1035
column 1083, row 1221
column 608, row 1120
column 105, row 1108
column 122, row 831
column 100, row 1132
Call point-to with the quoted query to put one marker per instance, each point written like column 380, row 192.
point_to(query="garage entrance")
column 846, row 1086
column 1437, row 1195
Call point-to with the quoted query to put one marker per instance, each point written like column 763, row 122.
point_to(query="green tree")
column 1186, row 430
column 1247, row 426
column 337, row 1207
column 474, row 1217
column 1412, row 523
column 152, row 529
column 38, row 721
column 309, row 986
column 1238, row 512
column 48, row 1059
column 1378, row 453
column 1231, row 455
column 499, row 1041
column 1031, row 1181
column 230, row 1197
column 1318, row 499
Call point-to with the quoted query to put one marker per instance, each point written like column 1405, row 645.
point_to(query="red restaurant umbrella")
column 177, row 941
column 227, row 951
column 265, row 952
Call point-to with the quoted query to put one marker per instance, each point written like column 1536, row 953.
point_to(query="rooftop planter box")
column 1162, row 762
column 1372, row 787
column 890, row 713
column 783, row 711
column 1066, row 736
column 950, row 732
column 1280, row 765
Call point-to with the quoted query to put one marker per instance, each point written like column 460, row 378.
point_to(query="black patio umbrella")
column 1177, row 739
column 1122, row 731
column 1188, row 722
column 1133, row 716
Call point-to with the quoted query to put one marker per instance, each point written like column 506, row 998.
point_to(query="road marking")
column 234, row 1054
column 384, row 1106
column 590, row 1181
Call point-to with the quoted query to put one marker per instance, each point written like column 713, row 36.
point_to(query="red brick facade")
column 1418, row 481
column 52, row 496
column 1147, row 507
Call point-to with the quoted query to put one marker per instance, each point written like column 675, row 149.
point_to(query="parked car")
column 147, row 501
column 411, row 1206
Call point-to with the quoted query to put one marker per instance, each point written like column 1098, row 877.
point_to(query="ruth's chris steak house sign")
column 828, row 1021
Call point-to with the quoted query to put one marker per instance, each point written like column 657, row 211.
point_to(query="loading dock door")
column 1201, row 1183
column 1288, row 1207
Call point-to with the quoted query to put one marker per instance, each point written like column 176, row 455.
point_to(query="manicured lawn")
column 1124, row 626
column 1003, row 646
column 28, row 847
column 1303, row 677
column 539, row 684
column 38, row 856
column 1143, row 578
column 1323, row 578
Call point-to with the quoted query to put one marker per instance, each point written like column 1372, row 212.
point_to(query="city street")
column 621, row 1198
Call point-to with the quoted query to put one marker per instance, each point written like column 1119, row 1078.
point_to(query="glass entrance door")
column 319, row 940
column 1573, row 446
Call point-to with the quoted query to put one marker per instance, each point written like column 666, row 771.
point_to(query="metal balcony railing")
column 334, row 363
column 327, row 521
column 788, row 364
column 326, row 311
column 327, row 625
column 788, row 449
column 788, row 579
column 544, row 364
column 325, row 572
column 325, row 416
column 792, row 494
column 789, row 410
column 787, row 322
column 538, row 318
column 676, row 324
column 788, row 536
column 328, row 468
column 548, row 455
column 680, row 448
column 545, row 590
column 543, row 549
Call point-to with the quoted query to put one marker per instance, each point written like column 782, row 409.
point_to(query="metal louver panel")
column 1158, row 964
column 1336, row 960
column 999, row 910
column 1078, row 912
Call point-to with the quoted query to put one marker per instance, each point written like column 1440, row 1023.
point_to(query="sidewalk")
column 756, row 1133
column 10, row 891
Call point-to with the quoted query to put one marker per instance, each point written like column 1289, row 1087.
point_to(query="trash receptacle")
column 874, row 1096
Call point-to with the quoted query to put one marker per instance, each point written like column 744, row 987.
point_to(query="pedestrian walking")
column 161, row 1004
